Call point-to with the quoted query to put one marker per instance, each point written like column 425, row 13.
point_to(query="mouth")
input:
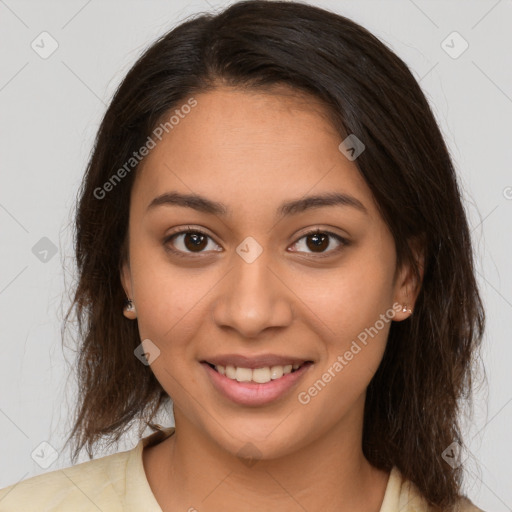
column 255, row 381
column 261, row 375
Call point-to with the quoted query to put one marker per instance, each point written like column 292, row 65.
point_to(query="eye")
column 318, row 241
column 188, row 242
column 194, row 240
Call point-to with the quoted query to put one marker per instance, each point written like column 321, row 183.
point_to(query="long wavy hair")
column 413, row 402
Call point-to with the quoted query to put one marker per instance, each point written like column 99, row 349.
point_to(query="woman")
column 270, row 233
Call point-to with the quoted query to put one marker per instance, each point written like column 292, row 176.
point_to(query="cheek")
column 170, row 301
column 352, row 357
column 351, row 297
column 353, row 315
column 170, row 313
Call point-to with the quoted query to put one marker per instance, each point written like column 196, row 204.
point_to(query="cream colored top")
column 118, row 483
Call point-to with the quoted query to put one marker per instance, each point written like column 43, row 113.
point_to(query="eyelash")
column 343, row 242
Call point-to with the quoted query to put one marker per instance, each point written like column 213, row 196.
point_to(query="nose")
column 253, row 297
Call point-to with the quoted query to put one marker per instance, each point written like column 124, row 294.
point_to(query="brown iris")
column 321, row 241
column 197, row 241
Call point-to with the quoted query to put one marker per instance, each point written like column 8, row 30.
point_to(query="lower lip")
column 252, row 393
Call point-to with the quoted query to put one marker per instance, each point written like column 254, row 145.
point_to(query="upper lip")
column 253, row 361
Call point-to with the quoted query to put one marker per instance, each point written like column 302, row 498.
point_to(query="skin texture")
column 252, row 151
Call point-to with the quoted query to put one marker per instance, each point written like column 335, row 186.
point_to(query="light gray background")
column 51, row 109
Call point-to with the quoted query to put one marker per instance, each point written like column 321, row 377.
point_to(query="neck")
column 189, row 471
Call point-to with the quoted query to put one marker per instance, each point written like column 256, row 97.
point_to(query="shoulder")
column 114, row 483
column 465, row 505
column 403, row 495
column 86, row 486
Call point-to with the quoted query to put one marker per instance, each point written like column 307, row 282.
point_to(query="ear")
column 126, row 281
column 407, row 283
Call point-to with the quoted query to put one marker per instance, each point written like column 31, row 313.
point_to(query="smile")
column 259, row 375
column 251, row 382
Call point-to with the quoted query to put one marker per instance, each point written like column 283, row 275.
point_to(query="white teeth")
column 243, row 374
column 276, row 372
column 259, row 375
column 230, row 372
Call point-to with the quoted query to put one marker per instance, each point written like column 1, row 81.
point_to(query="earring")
column 129, row 309
column 406, row 309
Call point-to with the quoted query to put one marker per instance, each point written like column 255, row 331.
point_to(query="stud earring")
column 129, row 309
column 406, row 309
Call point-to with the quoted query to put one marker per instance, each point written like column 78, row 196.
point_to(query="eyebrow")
column 205, row 205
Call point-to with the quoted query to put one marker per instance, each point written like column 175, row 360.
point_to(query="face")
column 236, row 283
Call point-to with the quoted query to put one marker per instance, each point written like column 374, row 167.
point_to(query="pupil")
column 199, row 241
column 318, row 243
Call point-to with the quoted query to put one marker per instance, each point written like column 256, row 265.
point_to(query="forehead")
column 240, row 147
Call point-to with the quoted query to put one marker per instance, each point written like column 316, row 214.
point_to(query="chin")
column 253, row 440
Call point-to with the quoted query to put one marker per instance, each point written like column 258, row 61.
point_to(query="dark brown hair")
column 414, row 400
